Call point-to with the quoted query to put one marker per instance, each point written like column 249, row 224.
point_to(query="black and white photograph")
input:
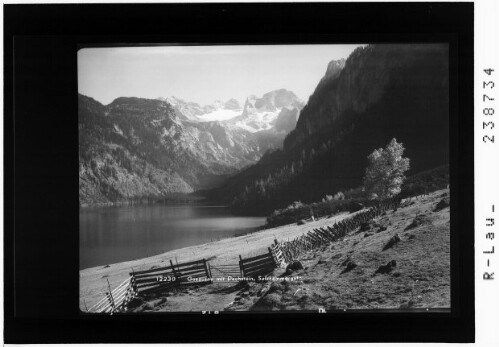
column 262, row 178
column 250, row 172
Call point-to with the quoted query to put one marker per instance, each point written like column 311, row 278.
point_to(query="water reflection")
column 110, row 235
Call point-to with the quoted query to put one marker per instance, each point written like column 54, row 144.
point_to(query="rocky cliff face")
column 232, row 104
column 370, row 76
column 334, row 68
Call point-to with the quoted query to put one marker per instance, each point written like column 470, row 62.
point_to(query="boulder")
column 393, row 240
column 441, row 205
column 293, row 266
column 365, row 226
column 350, row 265
column 383, row 269
column 418, row 221
column 136, row 302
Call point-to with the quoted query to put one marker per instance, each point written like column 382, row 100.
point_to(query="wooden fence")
column 149, row 281
column 278, row 255
column 260, row 265
column 115, row 300
column 325, row 235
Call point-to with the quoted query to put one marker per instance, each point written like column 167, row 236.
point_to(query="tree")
column 385, row 173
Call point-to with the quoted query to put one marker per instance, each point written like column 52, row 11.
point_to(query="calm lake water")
column 115, row 234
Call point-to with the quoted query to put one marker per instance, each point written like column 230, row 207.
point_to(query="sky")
column 203, row 74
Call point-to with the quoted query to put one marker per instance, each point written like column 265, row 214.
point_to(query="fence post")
column 206, row 269
column 272, row 255
column 132, row 283
column 176, row 262
column 111, row 299
column 241, row 266
column 277, row 249
column 177, row 278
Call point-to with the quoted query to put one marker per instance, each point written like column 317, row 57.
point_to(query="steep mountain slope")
column 113, row 166
column 380, row 92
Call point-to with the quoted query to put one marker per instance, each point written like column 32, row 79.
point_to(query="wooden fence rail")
column 325, row 235
column 278, row 255
column 115, row 300
column 152, row 280
column 148, row 281
column 260, row 265
column 225, row 270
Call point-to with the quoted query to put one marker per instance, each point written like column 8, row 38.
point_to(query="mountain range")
column 278, row 106
column 137, row 148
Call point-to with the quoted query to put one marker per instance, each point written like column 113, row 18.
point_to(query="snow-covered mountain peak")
column 257, row 114
column 261, row 113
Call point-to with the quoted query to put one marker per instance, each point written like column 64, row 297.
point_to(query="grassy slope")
column 421, row 278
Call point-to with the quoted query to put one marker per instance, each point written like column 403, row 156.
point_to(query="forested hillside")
column 381, row 92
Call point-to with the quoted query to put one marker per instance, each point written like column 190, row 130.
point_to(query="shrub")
column 339, row 196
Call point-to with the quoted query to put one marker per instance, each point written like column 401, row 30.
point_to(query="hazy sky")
column 203, row 73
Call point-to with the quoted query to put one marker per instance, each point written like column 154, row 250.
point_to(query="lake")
column 115, row 234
